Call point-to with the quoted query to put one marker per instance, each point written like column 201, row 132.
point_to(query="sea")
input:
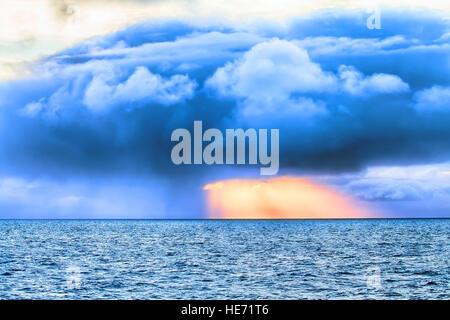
column 219, row 259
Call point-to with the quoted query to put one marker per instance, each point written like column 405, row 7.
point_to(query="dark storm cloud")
column 343, row 96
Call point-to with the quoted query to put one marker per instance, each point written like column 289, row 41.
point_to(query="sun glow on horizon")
column 280, row 198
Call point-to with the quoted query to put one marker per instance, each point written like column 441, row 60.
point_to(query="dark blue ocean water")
column 95, row 259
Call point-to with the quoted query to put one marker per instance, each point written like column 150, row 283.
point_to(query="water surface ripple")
column 145, row 259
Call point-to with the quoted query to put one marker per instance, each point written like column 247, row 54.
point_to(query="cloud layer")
column 344, row 97
column 339, row 109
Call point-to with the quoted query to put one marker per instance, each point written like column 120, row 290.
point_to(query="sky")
column 90, row 93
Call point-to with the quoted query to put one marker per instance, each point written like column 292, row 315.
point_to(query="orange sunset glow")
column 279, row 198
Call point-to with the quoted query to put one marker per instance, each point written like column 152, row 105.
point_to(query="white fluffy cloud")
column 268, row 77
column 141, row 86
column 388, row 190
column 276, row 68
column 330, row 45
column 355, row 83
column 434, row 98
column 276, row 75
column 405, row 183
column 105, row 91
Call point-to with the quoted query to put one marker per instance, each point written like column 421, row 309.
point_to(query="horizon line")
column 208, row 219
